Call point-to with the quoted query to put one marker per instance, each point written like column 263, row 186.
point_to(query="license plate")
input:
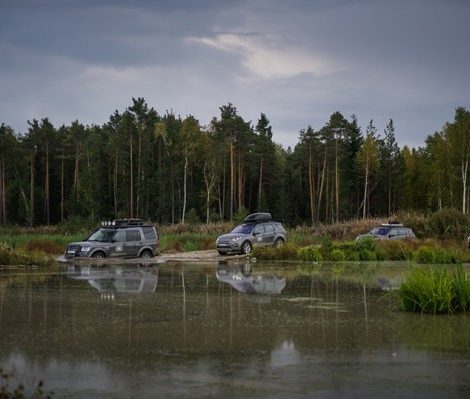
column 71, row 251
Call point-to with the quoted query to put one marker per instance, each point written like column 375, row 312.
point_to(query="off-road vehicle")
column 392, row 230
column 259, row 229
column 121, row 238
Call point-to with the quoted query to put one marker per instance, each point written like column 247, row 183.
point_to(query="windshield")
column 380, row 231
column 102, row 235
column 243, row 229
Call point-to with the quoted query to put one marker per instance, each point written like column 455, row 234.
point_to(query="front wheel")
column 98, row 255
column 279, row 243
column 246, row 248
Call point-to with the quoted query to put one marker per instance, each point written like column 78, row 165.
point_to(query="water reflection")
column 109, row 280
column 325, row 332
column 244, row 280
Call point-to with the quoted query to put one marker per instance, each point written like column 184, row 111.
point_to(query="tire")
column 98, row 255
column 246, row 248
column 246, row 269
column 146, row 254
column 279, row 243
column 222, row 253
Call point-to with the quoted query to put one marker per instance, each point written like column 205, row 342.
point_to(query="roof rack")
column 259, row 217
column 123, row 223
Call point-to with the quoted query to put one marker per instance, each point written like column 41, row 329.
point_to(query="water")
column 226, row 331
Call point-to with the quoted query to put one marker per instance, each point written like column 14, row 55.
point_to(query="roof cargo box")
column 258, row 217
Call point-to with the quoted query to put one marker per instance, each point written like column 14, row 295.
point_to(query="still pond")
column 260, row 330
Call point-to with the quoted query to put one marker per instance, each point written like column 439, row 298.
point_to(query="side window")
column 269, row 228
column 120, row 236
column 393, row 233
column 402, row 233
column 133, row 235
column 259, row 229
column 149, row 233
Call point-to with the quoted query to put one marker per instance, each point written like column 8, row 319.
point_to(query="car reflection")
column 110, row 280
column 244, row 280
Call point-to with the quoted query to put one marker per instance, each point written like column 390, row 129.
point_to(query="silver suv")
column 389, row 231
column 122, row 238
column 258, row 230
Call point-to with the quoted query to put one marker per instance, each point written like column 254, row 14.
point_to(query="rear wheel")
column 246, row 248
column 146, row 254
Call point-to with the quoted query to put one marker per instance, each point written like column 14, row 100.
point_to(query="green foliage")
column 337, row 255
column 310, row 253
column 287, row 251
column 394, row 250
column 192, row 217
column 10, row 256
column 435, row 290
column 432, row 255
column 240, row 215
column 449, row 223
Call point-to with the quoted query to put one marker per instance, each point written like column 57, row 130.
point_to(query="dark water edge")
column 260, row 330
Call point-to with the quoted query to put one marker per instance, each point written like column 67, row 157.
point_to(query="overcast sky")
column 297, row 61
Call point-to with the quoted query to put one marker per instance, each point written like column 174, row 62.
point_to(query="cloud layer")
column 296, row 61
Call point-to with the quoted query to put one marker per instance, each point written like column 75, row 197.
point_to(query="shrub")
column 286, row 252
column 429, row 255
column 310, row 253
column 395, row 250
column 337, row 255
column 47, row 246
column 424, row 255
column 449, row 223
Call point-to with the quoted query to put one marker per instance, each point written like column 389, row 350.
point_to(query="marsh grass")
column 10, row 256
column 435, row 290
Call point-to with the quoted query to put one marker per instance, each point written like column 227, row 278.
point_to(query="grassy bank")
column 420, row 251
column 441, row 239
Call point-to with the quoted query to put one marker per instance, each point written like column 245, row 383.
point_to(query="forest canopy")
column 171, row 169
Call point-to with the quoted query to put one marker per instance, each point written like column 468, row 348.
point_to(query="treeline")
column 171, row 169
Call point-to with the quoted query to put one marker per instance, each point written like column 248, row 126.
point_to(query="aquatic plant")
column 435, row 290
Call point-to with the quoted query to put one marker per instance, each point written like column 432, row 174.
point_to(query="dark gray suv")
column 259, row 229
column 122, row 238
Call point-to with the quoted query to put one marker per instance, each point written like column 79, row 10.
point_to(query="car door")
column 116, row 248
column 133, row 243
column 258, row 235
column 269, row 234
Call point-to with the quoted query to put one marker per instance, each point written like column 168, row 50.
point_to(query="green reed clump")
column 10, row 256
column 435, row 290
column 287, row 251
column 310, row 253
column 394, row 250
column 433, row 255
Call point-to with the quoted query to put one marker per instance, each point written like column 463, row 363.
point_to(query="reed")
column 435, row 290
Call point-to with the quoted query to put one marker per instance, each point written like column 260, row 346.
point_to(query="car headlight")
column 236, row 239
column 86, row 249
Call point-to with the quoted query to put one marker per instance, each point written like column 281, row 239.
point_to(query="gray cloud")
column 297, row 61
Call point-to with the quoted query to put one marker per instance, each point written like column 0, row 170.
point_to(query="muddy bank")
column 193, row 256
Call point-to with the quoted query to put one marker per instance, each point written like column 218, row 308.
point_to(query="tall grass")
column 435, row 290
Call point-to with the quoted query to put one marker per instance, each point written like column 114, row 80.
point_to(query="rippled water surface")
column 257, row 330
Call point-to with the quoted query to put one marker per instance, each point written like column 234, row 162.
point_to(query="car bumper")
column 232, row 247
